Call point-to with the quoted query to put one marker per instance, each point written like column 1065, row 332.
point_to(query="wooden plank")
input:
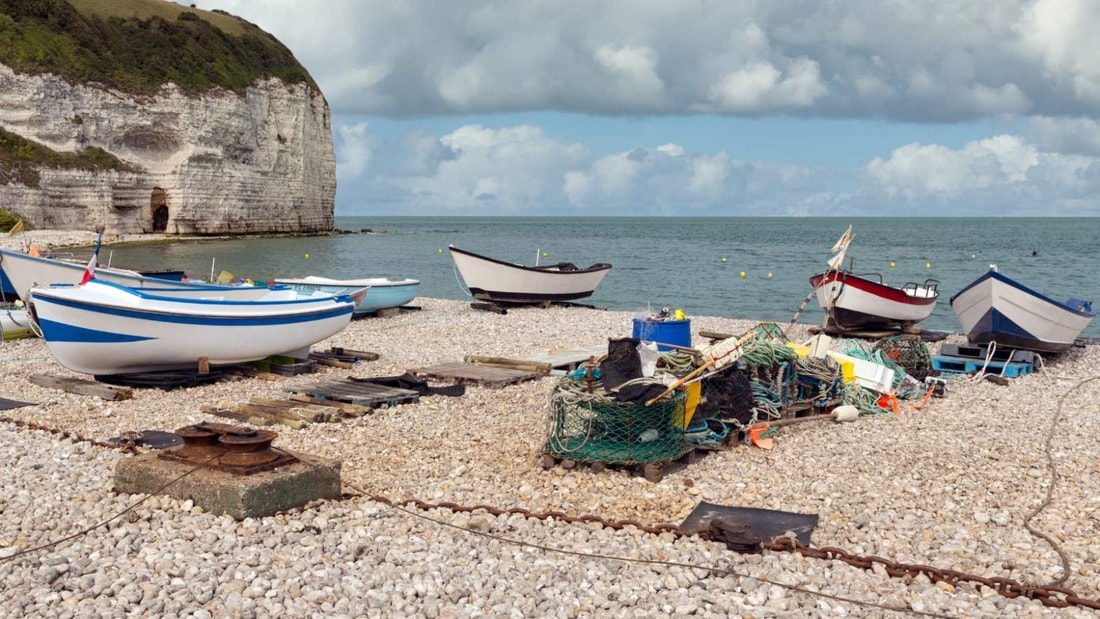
column 715, row 335
column 251, row 372
column 82, row 387
column 542, row 367
column 362, row 355
column 320, row 412
column 347, row 409
column 488, row 307
column 568, row 358
column 466, row 373
column 235, row 415
column 331, row 360
column 278, row 413
column 361, row 393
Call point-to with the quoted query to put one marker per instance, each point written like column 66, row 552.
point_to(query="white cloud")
column 1067, row 135
column 937, row 60
column 916, row 171
column 479, row 170
column 354, row 148
column 1062, row 35
column 633, row 71
column 760, row 87
column 522, row 170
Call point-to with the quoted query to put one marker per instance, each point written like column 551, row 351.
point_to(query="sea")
column 746, row 268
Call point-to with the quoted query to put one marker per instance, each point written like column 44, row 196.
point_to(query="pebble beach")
column 953, row 485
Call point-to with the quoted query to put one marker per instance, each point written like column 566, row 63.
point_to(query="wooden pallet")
column 480, row 374
column 266, row 411
column 82, row 387
column 358, row 393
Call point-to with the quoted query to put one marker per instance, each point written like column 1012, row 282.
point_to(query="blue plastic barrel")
column 676, row 332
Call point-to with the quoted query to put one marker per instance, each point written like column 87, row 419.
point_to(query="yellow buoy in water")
column 742, row 275
column 439, row 251
column 724, row 259
column 769, row 274
column 891, row 265
column 973, row 255
column 307, row 256
column 544, row 254
column 928, row 265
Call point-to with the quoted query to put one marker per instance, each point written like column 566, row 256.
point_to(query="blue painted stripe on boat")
column 54, row 331
column 186, row 319
column 999, row 323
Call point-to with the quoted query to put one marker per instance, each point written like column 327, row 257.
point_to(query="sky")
column 703, row 107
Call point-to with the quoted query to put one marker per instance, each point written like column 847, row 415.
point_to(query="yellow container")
column 801, row 349
column 693, row 392
column 848, row 370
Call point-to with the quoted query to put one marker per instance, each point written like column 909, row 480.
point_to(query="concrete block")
column 240, row 496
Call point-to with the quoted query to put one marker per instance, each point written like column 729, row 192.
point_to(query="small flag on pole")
column 839, row 248
column 89, row 273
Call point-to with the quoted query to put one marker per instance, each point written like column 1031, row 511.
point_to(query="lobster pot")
column 909, row 352
column 604, row 430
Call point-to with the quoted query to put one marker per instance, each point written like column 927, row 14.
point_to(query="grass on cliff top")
column 22, row 159
column 168, row 11
column 136, row 46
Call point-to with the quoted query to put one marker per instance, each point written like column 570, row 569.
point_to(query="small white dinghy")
column 382, row 293
column 103, row 328
column 15, row 324
column 495, row 280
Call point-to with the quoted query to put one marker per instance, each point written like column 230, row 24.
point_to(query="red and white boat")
column 864, row 301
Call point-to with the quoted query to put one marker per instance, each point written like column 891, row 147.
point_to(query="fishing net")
column 820, row 380
column 595, row 427
column 908, row 352
column 727, row 396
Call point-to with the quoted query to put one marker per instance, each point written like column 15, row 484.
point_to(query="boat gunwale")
column 1004, row 279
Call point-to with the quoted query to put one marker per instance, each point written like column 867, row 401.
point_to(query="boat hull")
column 997, row 309
column 494, row 280
column 382, row 293
column 101, row 328
column 25, row 271
column 850, row 301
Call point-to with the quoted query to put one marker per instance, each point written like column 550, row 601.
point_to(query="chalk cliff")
column 217, row 161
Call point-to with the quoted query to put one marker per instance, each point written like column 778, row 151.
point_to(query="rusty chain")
column 1050, row 595
column 1054, row 596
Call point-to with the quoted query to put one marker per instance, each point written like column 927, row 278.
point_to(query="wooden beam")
column 82, row 387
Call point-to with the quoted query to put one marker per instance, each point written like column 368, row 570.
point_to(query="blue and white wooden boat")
column 382, row 293
column 7, row 290
column 103, row 328
column 999, row 310
column 25, row 270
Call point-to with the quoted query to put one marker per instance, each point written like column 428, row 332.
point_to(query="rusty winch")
column 224, row 447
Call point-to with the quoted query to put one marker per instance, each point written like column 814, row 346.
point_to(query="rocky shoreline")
column 950, row 485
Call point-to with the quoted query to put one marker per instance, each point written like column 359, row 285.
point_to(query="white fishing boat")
column 863, row 301
column 498, row 281
column 25, row 271
column 996, row 309
column 382, row 293
column 103, row 328
column 15, row 324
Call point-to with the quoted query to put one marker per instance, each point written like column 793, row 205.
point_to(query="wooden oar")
column 717, row 355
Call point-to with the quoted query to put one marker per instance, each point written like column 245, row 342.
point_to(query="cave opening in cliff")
column 158, row 204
